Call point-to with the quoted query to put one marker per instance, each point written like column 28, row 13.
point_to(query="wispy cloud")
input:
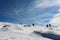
column 39, row 7
column 36, row 11
column 47, row 3
column 56, row 19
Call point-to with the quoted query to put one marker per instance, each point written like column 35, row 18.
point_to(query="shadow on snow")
column 48, row 35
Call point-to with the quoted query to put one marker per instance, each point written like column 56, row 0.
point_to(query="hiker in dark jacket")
column 33, row 25
column 46, row 25
column 49, row 25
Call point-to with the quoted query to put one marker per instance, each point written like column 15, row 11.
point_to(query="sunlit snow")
column 21, row 32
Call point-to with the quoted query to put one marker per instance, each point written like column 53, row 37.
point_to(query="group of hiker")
column 5, row 26
column 48, row 25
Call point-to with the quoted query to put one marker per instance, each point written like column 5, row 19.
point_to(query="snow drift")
column 11, row 31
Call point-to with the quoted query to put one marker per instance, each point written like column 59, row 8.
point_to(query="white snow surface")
column 21, row 32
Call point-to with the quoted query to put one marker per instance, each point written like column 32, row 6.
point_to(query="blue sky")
column 28, row 11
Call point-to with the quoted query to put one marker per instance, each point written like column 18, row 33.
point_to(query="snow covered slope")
column 10, row 31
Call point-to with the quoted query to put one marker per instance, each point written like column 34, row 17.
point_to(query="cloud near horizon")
column 56, row 19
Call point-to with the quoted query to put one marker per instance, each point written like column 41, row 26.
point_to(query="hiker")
column 49, row 25
column 33, row 25
column 46, row 25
